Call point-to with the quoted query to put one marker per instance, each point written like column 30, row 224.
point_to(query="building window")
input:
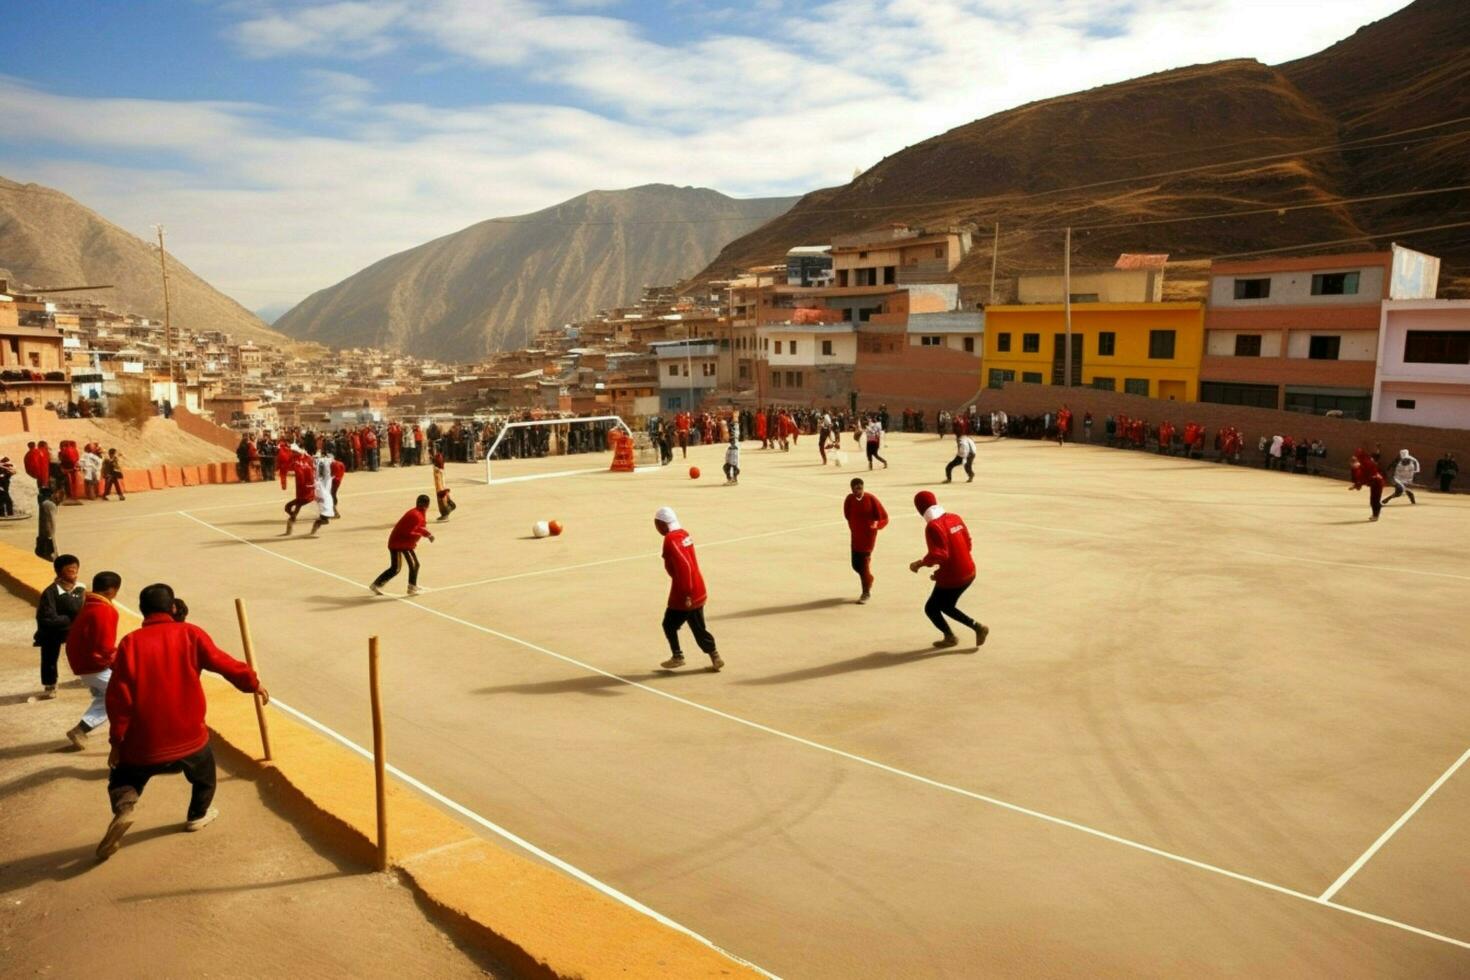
column 1253, row 288
column 800, row 380
column 862, row 255
column 1226, row 393
column 1082, row 297
column 1161, row 345
column 969, row 345
column 793, row 346
column 1106, row 343
column 1031, row 343
column 1136, row 386
column 1104, row 384
column 931, row 341
column 775, row 379
column 826, row 348
column 673, row 370
column 1352, row 404
column 1248, row 344
column 1437, row 347
column 1324, row 348
column 999, row 376
column 1031, row 377
column 1003, row 343
column 890, row 275
column 1404, row 403
column 1335, row 284
column 709, row 370
column 939, row 251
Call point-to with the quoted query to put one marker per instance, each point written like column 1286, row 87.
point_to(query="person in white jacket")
column 1404, row 472
column 91, row 466
column 325, row 507
column 964, row 455
column 732, row 462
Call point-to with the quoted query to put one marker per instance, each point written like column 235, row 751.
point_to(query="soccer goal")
column 562, row 437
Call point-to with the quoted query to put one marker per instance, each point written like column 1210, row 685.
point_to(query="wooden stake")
column 380, row 760
column 265, row 732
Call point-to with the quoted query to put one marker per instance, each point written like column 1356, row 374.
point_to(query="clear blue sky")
column 288, row 143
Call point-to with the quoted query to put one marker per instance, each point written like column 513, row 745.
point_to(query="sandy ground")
column 1207, row 693
column 247, row 897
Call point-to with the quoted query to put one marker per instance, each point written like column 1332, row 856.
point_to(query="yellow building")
column 1148, row 349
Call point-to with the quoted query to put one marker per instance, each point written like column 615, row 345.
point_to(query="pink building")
column 1423, row 370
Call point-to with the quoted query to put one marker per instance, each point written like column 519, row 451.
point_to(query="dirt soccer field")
column 1216, row 730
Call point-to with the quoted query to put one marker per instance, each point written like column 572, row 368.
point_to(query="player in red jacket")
column 1366, row 473
column 91, row 645
column 156, row 707
column 303, row 469
column 949, row 545
column 283, row 461
column 403, row 544
column 865, row 518
column 687, row 594
column 338, row 471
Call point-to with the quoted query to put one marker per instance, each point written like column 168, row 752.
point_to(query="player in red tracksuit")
column 155, row 705
column 687, row 594
column 1366, row 473
column 949, row 545
column 865, row 518
column 403, row 543
column 303, row 468
column 283, row 461
column 339, row 470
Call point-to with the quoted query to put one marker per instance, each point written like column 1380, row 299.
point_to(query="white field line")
column 517, row 840
column 872, row 763
column 1363, row 858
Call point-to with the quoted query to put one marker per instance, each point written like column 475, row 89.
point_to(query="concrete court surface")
column 1208, row 693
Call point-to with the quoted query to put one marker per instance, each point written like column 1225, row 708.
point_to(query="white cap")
column 667, row 516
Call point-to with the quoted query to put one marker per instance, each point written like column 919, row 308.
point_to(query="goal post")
column 556, row 426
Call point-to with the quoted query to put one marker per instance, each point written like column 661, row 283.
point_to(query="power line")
column 1338, row 241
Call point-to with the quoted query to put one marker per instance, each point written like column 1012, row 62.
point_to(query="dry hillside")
column 47, row 240
column 1103, row 158
column 490, row 286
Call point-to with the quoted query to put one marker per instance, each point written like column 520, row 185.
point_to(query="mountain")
column 47, row 240
column 490, row 286
column 1110, row 157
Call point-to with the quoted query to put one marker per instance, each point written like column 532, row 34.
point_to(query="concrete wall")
column 1110, row 286
column 926, row 378
column 1440, row 392
column 1221, row 343
column 1341, row 436
column 1291, row 281
column 809, row 348
column 202, row 428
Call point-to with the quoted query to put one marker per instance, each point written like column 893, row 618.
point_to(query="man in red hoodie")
column 91, row 645
column 687, row 594
column 403, row 544
column 865, row 518
column 156, row 706
column 949, row 545
column 1366, row 473
column 303, row 468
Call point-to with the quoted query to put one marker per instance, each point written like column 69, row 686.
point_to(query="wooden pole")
column 380, row 760
column 245, row 641
column 994, row 258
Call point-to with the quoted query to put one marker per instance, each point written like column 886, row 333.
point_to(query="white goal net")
column 585, row 439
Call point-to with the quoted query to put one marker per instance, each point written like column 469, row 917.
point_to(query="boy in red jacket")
column 303, row 468
column 949, row 551
column 156, row 706
column 865, row 518
column 402, row 544
column 1365, row 473
column 687, row 594
column 91, row 645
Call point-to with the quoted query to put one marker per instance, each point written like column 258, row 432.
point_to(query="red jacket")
column 686, row 585
column 91, row 642
column 406, row 533
column 155, row 702
column 339, row 470
column 304, row 469
column 861, row 515
column 949, row 548
column 38, row 463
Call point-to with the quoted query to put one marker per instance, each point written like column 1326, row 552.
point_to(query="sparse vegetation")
column 133, row 408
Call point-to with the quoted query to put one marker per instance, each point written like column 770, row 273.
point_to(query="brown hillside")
column 1016, row 167
column 47, row 240
column 490, row 286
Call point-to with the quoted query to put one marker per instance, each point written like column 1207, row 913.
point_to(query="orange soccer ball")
column 555, row 528
column 694, row 472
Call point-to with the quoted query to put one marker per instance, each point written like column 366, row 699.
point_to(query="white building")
column 1423, row 369
column 687, row 371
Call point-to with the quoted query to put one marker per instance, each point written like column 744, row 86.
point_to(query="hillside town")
column 866, row 320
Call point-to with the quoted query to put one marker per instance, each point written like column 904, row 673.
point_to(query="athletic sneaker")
column 377, row 589
column 981, row 632
column 862, row 599
column 77, row 736
column 200, row 823
column 112, row 840
column 415, row 590
column 48, row 694
column 950, row 640
column 715, row 662
column 673, row 663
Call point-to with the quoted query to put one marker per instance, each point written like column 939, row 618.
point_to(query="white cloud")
column 767, row 101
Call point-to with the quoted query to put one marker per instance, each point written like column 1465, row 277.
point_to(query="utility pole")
column 1067, row 306
column 994, row 257
column 168, row 343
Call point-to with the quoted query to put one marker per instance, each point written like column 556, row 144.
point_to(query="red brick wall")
column 202, row 428
column 926, row 378
column 1341, row 436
